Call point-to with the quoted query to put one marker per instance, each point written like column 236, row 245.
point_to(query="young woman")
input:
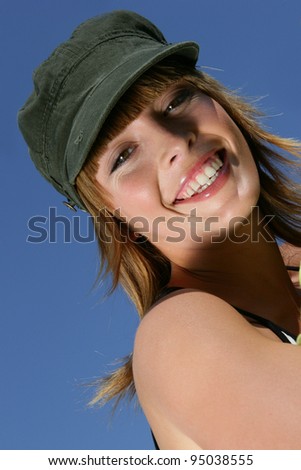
column 189, row 199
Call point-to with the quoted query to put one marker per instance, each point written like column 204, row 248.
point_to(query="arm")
column 216, row 378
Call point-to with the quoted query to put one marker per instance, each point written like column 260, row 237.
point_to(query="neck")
column 250, row 275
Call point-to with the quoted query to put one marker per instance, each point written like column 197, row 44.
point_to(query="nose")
column 177, row 148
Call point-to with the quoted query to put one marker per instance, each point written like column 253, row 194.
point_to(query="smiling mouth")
column 203, row 178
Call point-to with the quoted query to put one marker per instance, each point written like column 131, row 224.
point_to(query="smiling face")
column 181, row 160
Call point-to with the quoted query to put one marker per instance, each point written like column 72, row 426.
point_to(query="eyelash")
column 125, row 154
column 182, row 97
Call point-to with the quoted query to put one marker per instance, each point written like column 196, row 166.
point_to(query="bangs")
column 139, row 96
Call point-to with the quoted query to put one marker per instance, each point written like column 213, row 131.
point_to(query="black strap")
column 167, row 290
column 292, row 268
column 268, row 324
column 155, row 442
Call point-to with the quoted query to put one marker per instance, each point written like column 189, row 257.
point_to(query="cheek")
column 136, row 198
column 245, row 168
column 242, row 157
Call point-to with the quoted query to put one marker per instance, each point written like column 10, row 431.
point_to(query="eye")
column 122, row 158
column 182, row 98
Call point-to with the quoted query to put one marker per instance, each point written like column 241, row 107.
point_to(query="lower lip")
column 214, row 187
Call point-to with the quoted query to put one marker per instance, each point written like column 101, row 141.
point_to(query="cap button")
column 70, row 205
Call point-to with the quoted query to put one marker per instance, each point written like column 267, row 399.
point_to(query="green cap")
column 77, row 87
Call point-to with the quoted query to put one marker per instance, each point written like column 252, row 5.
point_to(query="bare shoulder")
column 187, row 314
column 202, row 369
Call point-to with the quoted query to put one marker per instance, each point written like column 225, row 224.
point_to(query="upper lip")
column 191, row 174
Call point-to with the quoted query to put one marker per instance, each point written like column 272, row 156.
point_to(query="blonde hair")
column 138, row 265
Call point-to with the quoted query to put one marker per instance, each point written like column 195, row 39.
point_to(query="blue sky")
column 57, row 334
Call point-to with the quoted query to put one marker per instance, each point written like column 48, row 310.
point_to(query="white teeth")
column 209, row 171
column 194, row 185
column 190, row 191
column 202, row 179
column 215, row 165
column 218, row 160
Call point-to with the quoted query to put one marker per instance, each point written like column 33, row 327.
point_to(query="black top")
column 280, row 332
